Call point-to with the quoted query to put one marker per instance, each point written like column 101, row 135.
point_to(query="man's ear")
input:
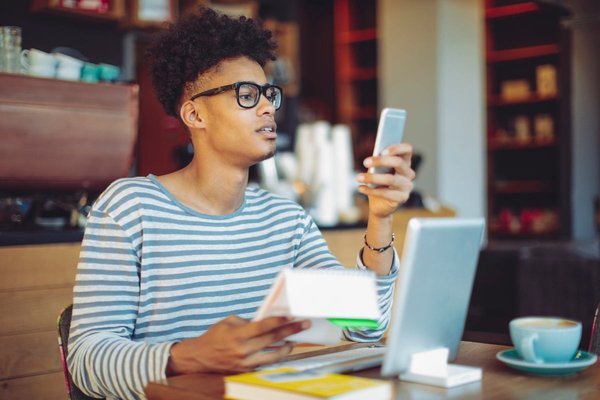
column 190, row 116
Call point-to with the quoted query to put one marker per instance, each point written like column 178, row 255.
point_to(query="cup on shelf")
column 90, row 73
column 38, row 63
column 545, row 339
column 69, row 68
column 108, row 72
column 10, row 49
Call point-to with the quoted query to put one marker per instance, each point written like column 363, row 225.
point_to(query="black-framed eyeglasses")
column 248, row 93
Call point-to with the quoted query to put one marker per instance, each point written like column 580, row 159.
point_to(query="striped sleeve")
column 102, row 358
column 314, row 253
column 385, row 292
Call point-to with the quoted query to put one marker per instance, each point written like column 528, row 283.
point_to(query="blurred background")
column 503, row 111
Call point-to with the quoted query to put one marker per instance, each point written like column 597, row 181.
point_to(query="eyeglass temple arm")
column 213, row 92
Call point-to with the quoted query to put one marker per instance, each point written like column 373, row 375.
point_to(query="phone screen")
column 389, row 131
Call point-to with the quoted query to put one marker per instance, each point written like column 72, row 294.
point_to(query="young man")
column 173, row 268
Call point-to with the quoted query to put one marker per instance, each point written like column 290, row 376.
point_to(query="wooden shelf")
column 135, row 21
column 516, row 187
column 360, row 74
column 522, row 53
column 522, row 36
column 355, row 70
column 498, row 234
column 524, row 8
column 124, row 12
column 116, row 13
column 65, row 135
column 494, row 145
column 498, row 101
column 511, row 10
column 355, row 36
column 363, row 113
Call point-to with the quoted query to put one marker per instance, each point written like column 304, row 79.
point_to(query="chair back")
column 64, row 325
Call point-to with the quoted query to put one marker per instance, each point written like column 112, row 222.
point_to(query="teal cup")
column 90, row 73
column 109, row 73
column 545, row 339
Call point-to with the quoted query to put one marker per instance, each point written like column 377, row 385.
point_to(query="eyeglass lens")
column 249, row 94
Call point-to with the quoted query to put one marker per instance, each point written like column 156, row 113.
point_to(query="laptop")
column 433, row 289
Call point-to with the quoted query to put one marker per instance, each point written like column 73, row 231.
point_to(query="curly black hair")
column 199, row 42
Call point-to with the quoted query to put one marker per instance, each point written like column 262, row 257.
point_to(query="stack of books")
column 289, row 384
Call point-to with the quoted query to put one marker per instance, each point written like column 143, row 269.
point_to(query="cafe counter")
column 37, row 282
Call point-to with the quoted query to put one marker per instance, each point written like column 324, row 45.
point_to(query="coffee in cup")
column 545, row 339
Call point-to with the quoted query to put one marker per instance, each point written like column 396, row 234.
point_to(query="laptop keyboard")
column 345, row 360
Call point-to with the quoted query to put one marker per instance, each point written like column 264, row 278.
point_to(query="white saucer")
column 581, row 361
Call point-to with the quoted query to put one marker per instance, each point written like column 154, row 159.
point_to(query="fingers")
column 396, row 157
column 404, row 150
column 391, row 181
column 395, row 163
column 258, row 343
column 258, row 328
column 396, row 196
column 267, row 357
column 252, row 350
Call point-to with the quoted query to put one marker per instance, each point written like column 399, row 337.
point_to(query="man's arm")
column 103, row 359
column 392, row 189
column 314, row 253
column 234, row 345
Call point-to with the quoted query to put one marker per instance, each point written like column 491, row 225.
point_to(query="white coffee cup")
column 69, row 68
column 43, row 71
column 38, row 63
column 68, row 73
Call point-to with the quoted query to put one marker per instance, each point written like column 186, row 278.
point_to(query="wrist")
column 182, row 360
column 379, row 248
column 380, row 219
column 172, row 363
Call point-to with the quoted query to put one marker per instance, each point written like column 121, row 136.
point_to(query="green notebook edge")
column 355, row 323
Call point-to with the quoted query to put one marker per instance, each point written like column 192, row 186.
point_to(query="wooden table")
column 499, row 382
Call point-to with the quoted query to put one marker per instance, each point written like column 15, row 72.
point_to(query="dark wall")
column 101, row 42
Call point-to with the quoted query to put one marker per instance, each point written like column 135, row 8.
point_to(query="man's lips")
column 268, row 130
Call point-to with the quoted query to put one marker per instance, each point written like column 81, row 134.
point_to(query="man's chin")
column 268, row 155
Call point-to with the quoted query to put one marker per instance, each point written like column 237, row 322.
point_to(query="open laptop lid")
column 433, row 288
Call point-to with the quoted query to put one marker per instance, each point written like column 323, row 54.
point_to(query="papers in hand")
column 330, row 298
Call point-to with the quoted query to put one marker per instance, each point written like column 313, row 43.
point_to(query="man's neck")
column 209, row 189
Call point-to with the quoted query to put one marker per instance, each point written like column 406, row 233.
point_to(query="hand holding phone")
column 389, row 131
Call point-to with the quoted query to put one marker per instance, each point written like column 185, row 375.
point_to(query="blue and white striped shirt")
column 153, row 272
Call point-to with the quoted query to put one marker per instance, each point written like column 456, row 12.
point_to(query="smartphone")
column 389, row 131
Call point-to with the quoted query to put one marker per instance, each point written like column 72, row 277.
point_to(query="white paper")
column 319, row 294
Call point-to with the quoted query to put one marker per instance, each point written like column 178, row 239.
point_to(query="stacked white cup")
column 38, row 63
column 69, row 68
column 56, row 65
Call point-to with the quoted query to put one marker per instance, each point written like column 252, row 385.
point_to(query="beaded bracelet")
column 380, row 249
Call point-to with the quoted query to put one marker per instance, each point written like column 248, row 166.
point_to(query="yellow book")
column 289, row 384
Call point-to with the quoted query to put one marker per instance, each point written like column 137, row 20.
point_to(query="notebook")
column 434, row 284
column 285, row 383
column 331, row 298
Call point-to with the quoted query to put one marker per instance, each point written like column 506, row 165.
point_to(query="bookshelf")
column 125, row 13
column 114, row 12
column 355, row 66
column 528, row 139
